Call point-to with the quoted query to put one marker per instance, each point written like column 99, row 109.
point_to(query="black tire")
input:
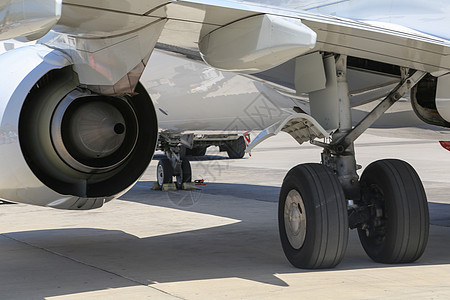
column 236, row 148
column 186, row 173
column 323, row 241
column 183, row 151
column 164, row 172
column 399, row 222
column 197, row 151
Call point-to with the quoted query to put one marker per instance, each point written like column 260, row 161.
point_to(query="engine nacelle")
column 430, row 99
column 64, row 146
column 29, row 19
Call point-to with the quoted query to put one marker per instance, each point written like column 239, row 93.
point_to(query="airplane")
column 87, row 129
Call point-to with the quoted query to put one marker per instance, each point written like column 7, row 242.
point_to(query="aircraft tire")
column 312, row 217
column 186, row 173
column 399, row 222
column 164, row 172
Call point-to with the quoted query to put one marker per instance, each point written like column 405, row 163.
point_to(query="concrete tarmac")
column 220, row 241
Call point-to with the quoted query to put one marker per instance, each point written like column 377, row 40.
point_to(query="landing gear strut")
column 318, row 202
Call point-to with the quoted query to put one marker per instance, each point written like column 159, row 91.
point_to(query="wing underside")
column 379, row 42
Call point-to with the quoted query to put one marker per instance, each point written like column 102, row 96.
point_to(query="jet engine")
column 430, row 99
column 62, row 145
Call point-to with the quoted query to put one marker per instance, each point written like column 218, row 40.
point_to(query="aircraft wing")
column 226, row 31
column 201, row 21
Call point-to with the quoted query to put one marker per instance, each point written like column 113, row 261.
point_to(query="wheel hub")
column 375, row 225
column 295, row 219
column 160, row 173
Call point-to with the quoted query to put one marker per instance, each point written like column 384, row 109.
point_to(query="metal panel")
column 323, row 103
column 309, row 73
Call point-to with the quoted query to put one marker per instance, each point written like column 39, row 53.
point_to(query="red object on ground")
column 200, row 182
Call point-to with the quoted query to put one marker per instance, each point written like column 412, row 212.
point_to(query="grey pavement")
column 220, row 241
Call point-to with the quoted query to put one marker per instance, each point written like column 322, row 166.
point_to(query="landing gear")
column 165, row 172
column 397, row 227
column 318, row 202
column 176, row 164
column 312, row 216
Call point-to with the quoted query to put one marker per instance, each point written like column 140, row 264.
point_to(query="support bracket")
column 340, row 145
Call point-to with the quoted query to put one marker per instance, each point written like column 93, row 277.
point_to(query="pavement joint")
column 8, row 236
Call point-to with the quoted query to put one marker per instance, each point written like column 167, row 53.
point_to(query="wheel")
column 164, row 172
column 236, row 148
column 312, row 217
column 186, row 173
column 196, row 151
column 397, row 231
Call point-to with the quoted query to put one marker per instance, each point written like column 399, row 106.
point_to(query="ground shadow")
column 87, row 259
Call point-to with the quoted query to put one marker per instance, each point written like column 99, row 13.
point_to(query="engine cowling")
column 430, row 99
column 62, row 145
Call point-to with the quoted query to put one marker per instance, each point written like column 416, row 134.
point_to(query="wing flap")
column 302, row 127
